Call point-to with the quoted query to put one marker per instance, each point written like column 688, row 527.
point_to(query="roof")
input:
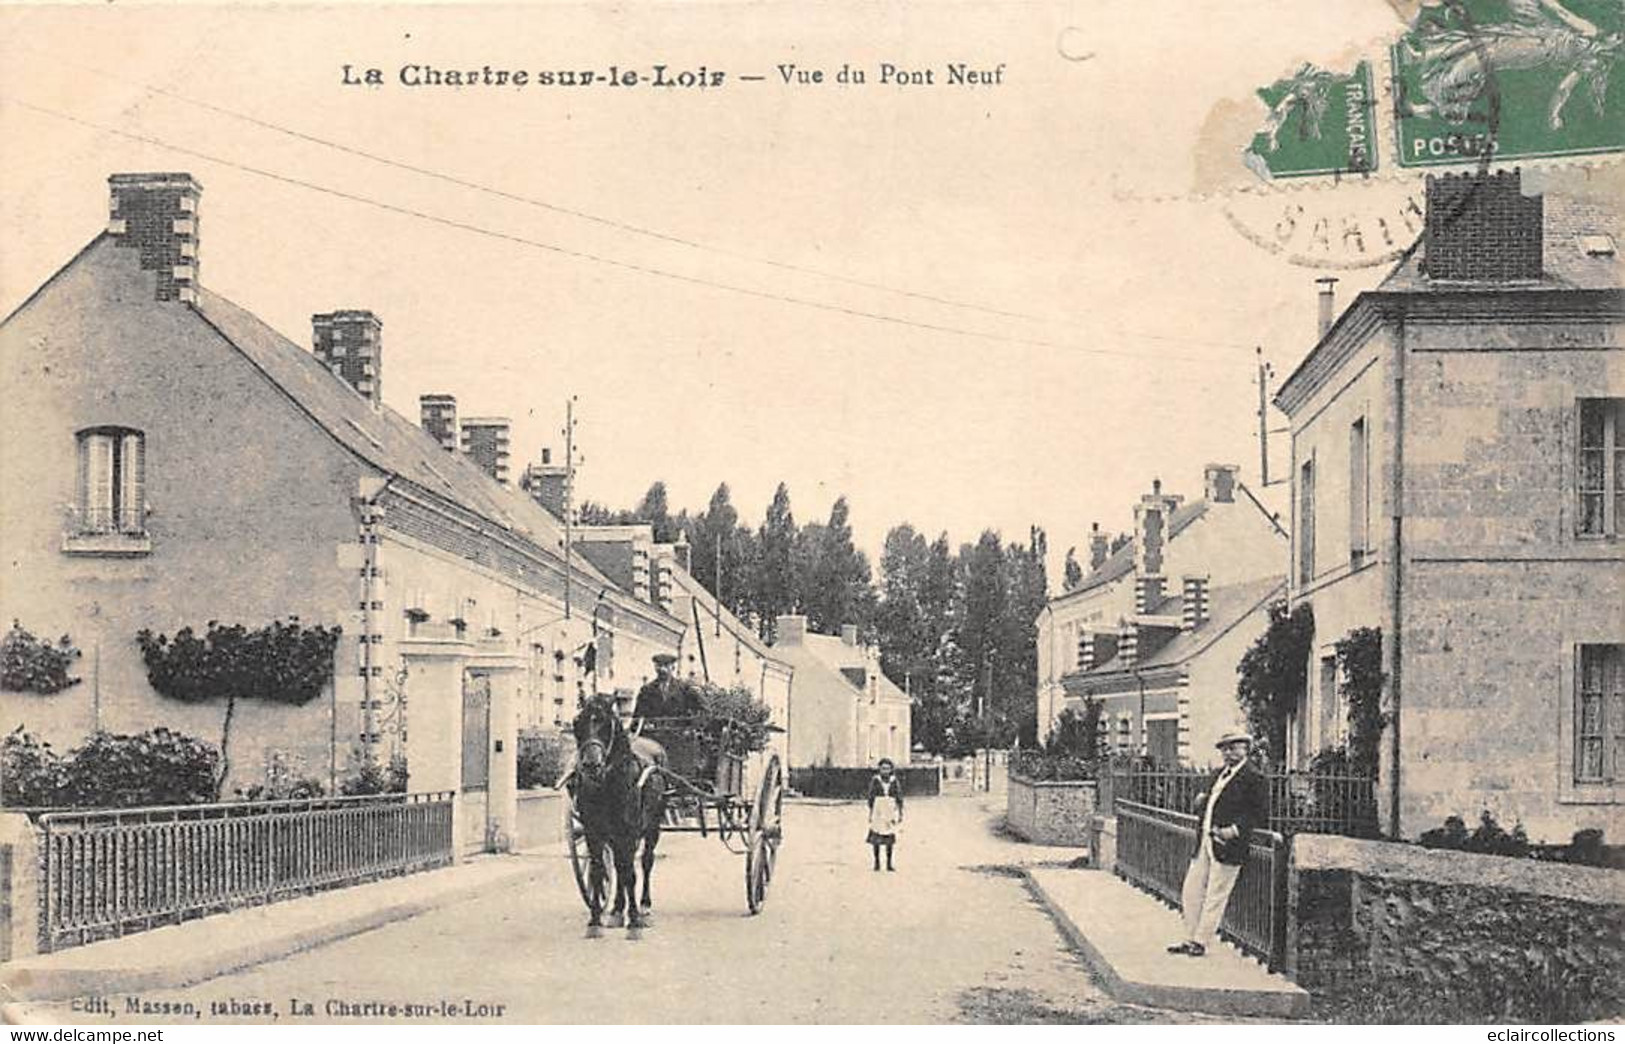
column 746, row 634
column 819, row 660
column 1227, row 606
column 1566, row 263
column 379, row 436
column 1120, row 563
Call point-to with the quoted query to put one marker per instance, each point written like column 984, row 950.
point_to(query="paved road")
column 949, row 937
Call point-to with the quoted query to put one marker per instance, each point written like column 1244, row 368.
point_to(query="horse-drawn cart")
column 703, row 762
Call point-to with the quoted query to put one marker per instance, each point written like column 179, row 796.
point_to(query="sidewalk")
column 1123, row 932
column 182, row 954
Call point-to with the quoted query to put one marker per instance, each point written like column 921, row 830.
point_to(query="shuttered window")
column 112, row 481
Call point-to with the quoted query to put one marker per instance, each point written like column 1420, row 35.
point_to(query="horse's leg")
column 595, row 881
column 626, row 896
column 650, row 840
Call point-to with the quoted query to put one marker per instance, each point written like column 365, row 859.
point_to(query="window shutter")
column 82, row 484
column 99, row 483
column 133, row 478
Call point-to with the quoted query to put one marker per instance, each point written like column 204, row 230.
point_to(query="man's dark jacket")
column 1244, row 804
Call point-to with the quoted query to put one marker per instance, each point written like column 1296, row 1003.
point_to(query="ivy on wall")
column 1273, row 675
column 1359, row 663
column 279, row 663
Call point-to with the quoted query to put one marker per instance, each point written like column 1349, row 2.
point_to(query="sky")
column 962, row 307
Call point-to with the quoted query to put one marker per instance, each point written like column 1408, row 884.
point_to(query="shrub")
column 1488, row 839
column 540, row 760
column 369, row 777
column 30, row 771
column 158, row 767
column 28, row 664
column 740, row 706
column 1076, row 735
column 1044, row 767
column 1273, row 674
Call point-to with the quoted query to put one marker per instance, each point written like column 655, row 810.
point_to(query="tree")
column 833, row 576
column 1273, row 675
column 652, row 509
column 279, row 663
column 773, row 581
column 1073, row 575
column 906, row 643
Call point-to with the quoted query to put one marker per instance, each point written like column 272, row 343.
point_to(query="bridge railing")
column 114, row 871
column 1154, row 847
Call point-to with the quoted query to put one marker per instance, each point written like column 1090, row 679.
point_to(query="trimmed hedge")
column 853, row 783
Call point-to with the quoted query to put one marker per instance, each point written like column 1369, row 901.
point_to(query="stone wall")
column 1050, row 813
column 1391, row 932
column 540, row 821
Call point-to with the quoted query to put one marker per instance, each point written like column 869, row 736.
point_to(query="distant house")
column 1155, row 628
column 843, row 710
column 171, row 460
column 1458, row 483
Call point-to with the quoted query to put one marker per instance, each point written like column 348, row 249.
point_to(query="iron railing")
column 1154, row 847
column 1300, row 802
column 115, row 871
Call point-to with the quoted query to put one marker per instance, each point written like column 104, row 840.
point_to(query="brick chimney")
column 156, row 214
column 1151, row 517
column 683, row 552
column 1219, row 483
column 437, row 415
column 546, row 483
column 350, row 343
column 1482, row 228
column 1196, row 602
column 849, row 634
column 1099, row 547
column 485, row 441
column 790, row 629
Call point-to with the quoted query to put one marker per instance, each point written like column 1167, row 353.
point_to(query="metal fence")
column 114, row 871
column 1300, row 802
column 1154, row 847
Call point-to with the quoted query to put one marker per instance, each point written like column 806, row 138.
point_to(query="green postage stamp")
column 1520, row 79
column 1319, row 122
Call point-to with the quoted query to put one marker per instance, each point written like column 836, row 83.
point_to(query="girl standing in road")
column 885, row 811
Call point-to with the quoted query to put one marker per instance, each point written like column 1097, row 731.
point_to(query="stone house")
column 844, row 712
column 169, row 460
column 1155, row 628
column 1457, row 483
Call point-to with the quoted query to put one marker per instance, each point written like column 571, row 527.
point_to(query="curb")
column 1207, row 999
column 34, row 979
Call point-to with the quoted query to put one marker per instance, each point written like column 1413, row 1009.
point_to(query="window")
column 1306, row 522
column 1602, row 467
column 1359, row 495
column 112, row 482
column 1599, row 714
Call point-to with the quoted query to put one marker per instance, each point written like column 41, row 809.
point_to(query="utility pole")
column 1263, row 420
column 569, row 493
column 719, row 584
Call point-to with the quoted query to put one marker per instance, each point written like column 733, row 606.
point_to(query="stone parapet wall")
column 1404, row 933
column 1050, row 813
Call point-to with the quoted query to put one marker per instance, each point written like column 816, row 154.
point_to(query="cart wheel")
column 575, row 836
column 766, row 831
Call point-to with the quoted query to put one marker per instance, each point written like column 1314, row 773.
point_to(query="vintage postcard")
column 729, row 513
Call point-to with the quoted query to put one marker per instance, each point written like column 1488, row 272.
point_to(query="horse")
column 620, row 796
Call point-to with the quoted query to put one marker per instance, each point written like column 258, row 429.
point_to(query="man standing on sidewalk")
column 1235, row 804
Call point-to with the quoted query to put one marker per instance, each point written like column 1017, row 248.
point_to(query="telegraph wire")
column 583, row 255
column 598, row 219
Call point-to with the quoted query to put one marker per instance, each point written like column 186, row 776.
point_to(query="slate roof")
column 1227, row 606
column 1120, row 563
column 1567, row 266
column 819, row 660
